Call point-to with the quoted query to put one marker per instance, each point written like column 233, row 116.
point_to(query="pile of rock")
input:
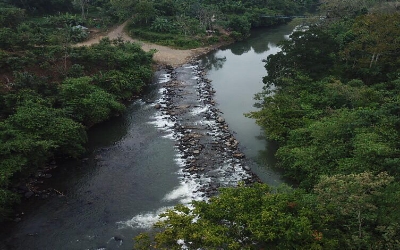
column 205, row 144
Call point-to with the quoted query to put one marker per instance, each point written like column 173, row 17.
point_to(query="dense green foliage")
column 343, row 211
column 51, row 92
column 335, row 110
column 194, row 23
column 331, row 102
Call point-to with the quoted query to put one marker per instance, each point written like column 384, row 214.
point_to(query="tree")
column 241, row 27
column 312, row 52
column 28, row 139
column 123, row 8
column 43, row 6
column 282, row 112
column 83, row 5
column 145, row 11
column 352, row 200
column 374, row 47
column 346, row 8
column 11, row 17
column 44, row 123
column 255, row 217
column 87, row 103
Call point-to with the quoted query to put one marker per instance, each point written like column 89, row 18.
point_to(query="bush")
column 11, row 17
column 163, row 25
column 76, row 70
column 87, row 103
column 241, row 26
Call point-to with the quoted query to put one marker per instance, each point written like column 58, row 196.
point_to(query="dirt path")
column 164, row 55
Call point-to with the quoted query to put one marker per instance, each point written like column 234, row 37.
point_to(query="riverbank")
column 164, row 55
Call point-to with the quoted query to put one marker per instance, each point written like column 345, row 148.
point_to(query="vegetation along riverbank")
column 53, row 88
column 331, row 101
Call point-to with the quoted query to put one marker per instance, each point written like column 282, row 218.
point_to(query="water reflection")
column 213, row 62
column 241, row 48
column 262, row 47
column 236, row 80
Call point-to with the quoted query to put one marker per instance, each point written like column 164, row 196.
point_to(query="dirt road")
column 163, row 56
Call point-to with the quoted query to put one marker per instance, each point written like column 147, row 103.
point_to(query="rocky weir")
column 208, row 154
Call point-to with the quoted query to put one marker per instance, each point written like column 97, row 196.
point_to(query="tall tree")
column 346, row 8
column 351, row 199
column 123, row 8
column 145, row 11
column 375, row 44
column 83, row 5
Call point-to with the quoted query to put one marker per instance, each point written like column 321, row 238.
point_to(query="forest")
column 331, row 103
column 52, row 92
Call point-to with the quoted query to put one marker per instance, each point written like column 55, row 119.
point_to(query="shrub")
column 87, row 103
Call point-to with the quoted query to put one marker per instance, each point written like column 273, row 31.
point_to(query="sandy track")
column 164, row 55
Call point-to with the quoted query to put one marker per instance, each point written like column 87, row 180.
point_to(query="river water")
column 134, row 171
column 237, row 71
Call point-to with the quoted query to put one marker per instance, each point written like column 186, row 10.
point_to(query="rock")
column 23, row 188
column 47, row 176
column 169, row 68
column 29, row 194
column 238, row 155
column 157, row 106
column 117, row 238
column 17, row 219
column 220, row 120
column 196, row 152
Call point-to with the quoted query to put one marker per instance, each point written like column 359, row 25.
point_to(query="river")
column 237, row 71
column 152, row 157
